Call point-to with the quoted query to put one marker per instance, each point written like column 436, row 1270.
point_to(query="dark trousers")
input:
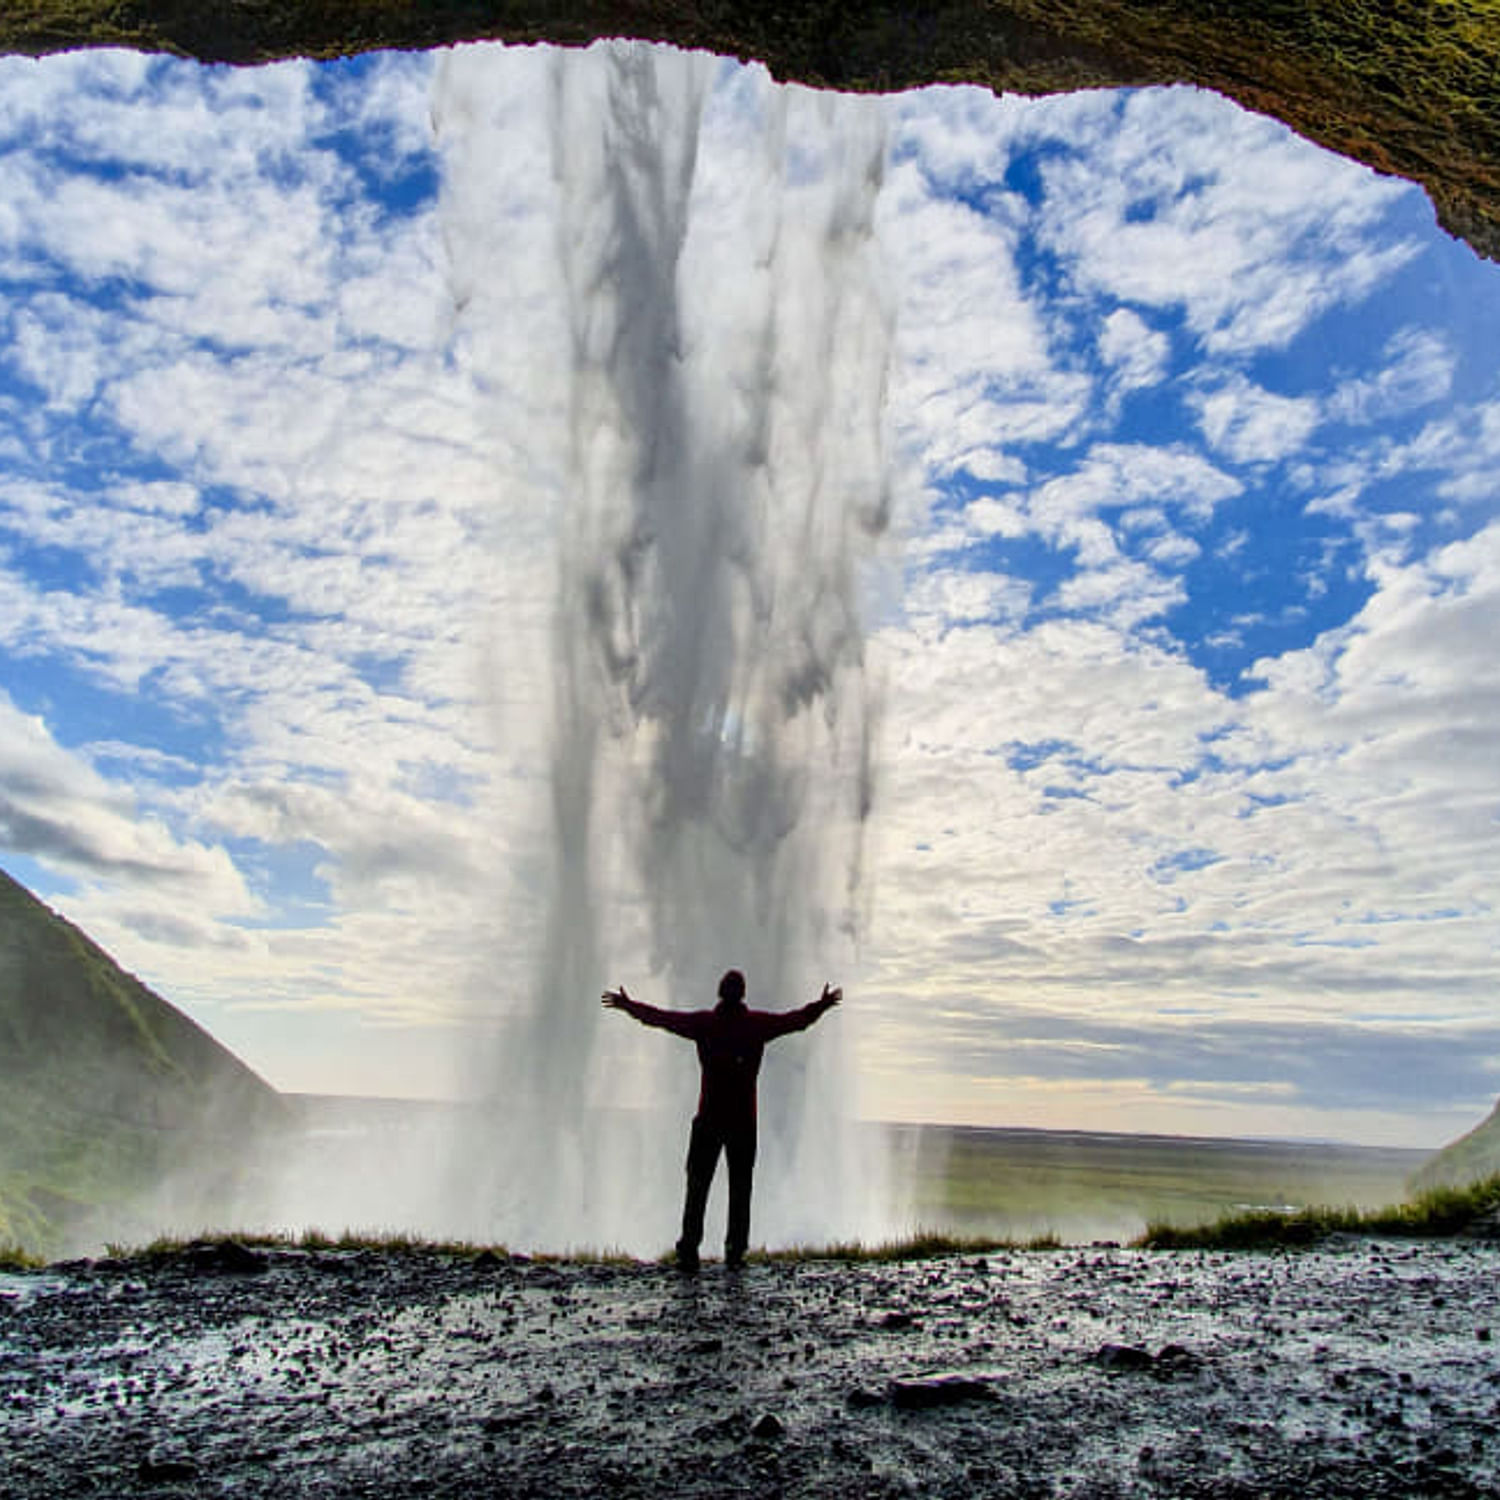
column 737, row 1142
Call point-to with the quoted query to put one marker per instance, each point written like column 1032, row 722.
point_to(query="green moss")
column 1410, row 87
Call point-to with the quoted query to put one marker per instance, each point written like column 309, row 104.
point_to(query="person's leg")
column 739, row 1150
column 702, row 1158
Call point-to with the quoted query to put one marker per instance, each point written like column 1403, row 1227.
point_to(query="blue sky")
column 1187, row 816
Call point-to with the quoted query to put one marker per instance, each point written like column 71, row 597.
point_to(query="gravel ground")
column 1364, row 1368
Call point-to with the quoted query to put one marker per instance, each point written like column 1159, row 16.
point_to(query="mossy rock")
column 1410, row 88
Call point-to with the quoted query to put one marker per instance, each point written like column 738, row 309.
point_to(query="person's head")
column 732, row 988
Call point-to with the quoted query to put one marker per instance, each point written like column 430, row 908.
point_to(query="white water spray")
column 705, row 417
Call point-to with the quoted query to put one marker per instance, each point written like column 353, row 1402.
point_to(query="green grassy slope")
column 1471, row 1158
column 106, row 1090
column 1408, row 86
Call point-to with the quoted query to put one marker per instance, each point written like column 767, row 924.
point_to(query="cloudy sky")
column 1187, row 815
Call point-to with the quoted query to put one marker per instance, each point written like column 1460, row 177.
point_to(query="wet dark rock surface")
column 1360, row 1370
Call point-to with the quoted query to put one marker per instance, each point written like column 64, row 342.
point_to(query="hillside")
column 110, row 1098
column 1471, row 1158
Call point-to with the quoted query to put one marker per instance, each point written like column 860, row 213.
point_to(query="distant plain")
column 1013, row 1184
column 1080, row 1185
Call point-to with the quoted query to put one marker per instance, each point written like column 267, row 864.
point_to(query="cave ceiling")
column 1410, row 88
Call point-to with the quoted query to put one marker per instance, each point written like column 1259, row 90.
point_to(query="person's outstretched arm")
column 799, row 1020
column 679, row 1022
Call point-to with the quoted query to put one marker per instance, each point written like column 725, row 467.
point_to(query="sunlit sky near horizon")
column 1188, row 810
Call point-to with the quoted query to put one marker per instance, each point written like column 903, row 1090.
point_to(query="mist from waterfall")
column 701, row 347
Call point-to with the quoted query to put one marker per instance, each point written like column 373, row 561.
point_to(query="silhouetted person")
column 730, row 1040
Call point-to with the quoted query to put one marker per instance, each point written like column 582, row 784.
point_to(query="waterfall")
column 699, row 411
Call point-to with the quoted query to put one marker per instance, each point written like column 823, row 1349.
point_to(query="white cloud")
column 976, row 371
column 1463, row 447
column 55, row 807
column 992, row 466
column 1118, row 475
column 990, row 516
column 1418, row 371
column 1176, row 199
column 1136, row 353
column 1251, row 425
column 941, row 599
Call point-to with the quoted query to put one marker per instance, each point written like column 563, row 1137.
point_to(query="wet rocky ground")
column 1363, row 1368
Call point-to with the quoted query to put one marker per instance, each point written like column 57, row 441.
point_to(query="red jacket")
column 731, row 1040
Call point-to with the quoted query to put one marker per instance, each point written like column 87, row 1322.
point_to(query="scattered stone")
column 155, row 1470
column 734, row 1427
column 948, row 1388
column 1117, row 1358
column 1486, row 1226
column 487, row 1260
column 1176, row 1359
column 440, row 1378
column 895, row 1321
column 228, row 1257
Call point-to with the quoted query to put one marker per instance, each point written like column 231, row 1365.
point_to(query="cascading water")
column 705, row 374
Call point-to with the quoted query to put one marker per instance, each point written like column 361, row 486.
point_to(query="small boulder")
column 768, row 1426
column 228, row 1257
column 1117, row 1358
column 162, row 1469
column 1175, row 1359
column 947, row 1388
column 1486, row 1226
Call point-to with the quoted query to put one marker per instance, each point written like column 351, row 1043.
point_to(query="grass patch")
column 922, row 1244
column 1434, row 1214
column 393, row 1243
column 14, row 1258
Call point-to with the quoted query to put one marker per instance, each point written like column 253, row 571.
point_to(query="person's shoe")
column 734, row 1260
column 687, row 1259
